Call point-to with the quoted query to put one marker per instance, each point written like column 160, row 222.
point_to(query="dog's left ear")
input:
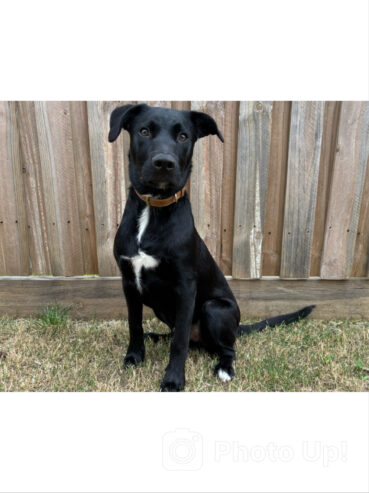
column 205, row 125
column 121, row 117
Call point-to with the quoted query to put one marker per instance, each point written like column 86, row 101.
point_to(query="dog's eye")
column 182, row 137
column 145, row 132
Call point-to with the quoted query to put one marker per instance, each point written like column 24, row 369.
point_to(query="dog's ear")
column 205, row 125
column 122, row 117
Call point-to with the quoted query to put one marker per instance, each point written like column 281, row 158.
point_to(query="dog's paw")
column 172, row 383
column 224, row 373
column 134, row 358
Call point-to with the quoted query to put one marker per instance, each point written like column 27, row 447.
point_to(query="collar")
column 161, row 202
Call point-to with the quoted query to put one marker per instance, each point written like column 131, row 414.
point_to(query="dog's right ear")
column 122, row 117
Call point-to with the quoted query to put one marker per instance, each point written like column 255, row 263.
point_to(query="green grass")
column 54, row 353
column 53, row 318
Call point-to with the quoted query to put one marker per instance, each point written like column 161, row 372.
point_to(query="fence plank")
column 330, row 128
column 82, row 164
column 56, row 257
column 181, row 105
column 251, row 187
column 273, row 229
column 13, row 227
column 103, row 298
column 108, row 181
column 360, row 267
column 230, row 134
column 346, row 193
column 57, row 163
column 206, row 179
column 302, row 180
column 36, row 208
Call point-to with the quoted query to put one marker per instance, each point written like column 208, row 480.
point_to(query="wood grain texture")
column 273, row 229
column 181, row 105
column 103, row 297
column 60, row 167
column 304, row 151
column 108, row 181
column 251, row 187
column 206, row 180
column 47, row 180
column 36, row 208
column 57, row 163
column 230, row 134
column 329, row 140
column 82, row 167
column 14, row 253
column 360, row 267
column 346, row 190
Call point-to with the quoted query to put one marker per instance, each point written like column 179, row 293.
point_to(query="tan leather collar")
column 161, row 202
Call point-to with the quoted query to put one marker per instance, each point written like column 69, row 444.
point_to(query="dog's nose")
column 164, row 162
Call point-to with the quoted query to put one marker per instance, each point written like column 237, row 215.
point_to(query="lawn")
column 51, row 352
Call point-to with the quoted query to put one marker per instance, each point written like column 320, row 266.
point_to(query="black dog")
column 164, row 263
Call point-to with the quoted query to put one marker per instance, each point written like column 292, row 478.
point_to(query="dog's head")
column 162, row 142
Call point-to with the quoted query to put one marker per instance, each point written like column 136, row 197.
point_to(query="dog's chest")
column 142, row 259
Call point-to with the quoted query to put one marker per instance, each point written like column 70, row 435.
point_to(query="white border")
column 197, row 49
column 186, row 442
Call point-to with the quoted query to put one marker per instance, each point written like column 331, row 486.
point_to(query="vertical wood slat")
column 206, row 179
column 302, row 179
column 82, row 166
column 57, row 162
column 47, row 179
column 346, row 190
column 14, row 253
column 181, row 105
column 251, row 187
column 273, row 229
column 36, row 208
column 360, row 267
column 330, row 127
column 108, row 181
column 230, row 134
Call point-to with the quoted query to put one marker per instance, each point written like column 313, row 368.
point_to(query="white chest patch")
column 143, row 222
column 142, row 259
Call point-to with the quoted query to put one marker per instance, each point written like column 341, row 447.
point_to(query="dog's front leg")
column 136, row 347
column 174, row 379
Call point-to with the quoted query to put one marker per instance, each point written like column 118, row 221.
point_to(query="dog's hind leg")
column 218, row 324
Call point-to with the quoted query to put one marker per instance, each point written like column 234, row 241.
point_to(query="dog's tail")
column 288, row 318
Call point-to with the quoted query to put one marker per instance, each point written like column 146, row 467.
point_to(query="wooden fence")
column 286, row 195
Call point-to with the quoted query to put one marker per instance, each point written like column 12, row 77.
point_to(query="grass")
column 54, row 353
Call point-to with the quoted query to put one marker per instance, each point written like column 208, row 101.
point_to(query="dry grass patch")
column 54, row 353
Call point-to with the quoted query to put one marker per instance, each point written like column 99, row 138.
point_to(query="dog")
column 164, row 263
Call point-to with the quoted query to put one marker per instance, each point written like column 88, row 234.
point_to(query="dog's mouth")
column 162, row 185
column 159, row 184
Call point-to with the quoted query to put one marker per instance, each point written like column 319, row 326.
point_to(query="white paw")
column 223, row 375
